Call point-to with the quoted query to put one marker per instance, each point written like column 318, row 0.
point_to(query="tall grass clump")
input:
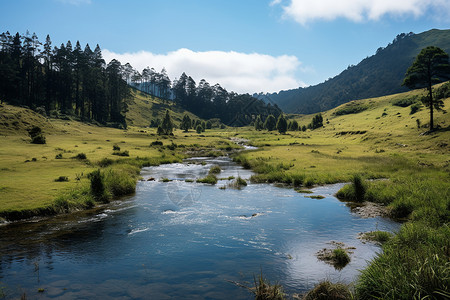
column 327, row 290
column 355, row 191
column 414, row 265
column 120, row 179
column 215, row 169
column 209, row 179
column 264, row 290
column 98, row 189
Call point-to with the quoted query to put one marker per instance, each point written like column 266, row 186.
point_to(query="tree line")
column 202, row 99
column 64, row 80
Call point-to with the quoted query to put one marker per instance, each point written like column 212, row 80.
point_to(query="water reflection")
column 155, row 245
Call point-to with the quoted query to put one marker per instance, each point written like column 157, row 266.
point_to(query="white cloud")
column 238, row 72
column 305, row 11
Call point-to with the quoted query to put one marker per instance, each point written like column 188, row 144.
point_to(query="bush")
column 105, row 162
column 351, row 108
column 116, row 147
column 123, row 153
column 156, row 143
column 405, row 102
column 58, row 156
column 98, row 189
column 81, row 156
column 36, row 135
column 415, row 108
column 62, row 179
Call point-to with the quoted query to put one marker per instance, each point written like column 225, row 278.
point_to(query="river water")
column 185, row 240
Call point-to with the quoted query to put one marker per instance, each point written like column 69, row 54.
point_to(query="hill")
column 144, row 108
column 379, row 75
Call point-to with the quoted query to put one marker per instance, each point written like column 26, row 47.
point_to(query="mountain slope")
column 379, row 75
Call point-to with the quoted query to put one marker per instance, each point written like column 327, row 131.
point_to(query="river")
column 185, row 240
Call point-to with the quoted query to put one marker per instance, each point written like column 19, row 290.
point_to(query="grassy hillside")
column 142, row 108
column 377, row 75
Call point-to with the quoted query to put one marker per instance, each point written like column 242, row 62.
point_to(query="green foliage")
column 316, row 122
column 430, row 66
column 199, row 129
column 356, row 191
column 340, row 257
column 62, row 179
column 293, row 126
column 210, row 179
column 377, row 236
column 377, row 75
column 259, row 125
column 36, row 135
column 327, row 290
column 215, row 169
column 270, row 123
column 282, row 124
column 186, row 123
column 405, row 102
column 415, row 108
column 264, row 290
column 166, row 125
column 238, row 183
column 351, row 108
column 98, row 189
column 121, row 153
column 413, row 265
column 116, row 147
column 81, row 156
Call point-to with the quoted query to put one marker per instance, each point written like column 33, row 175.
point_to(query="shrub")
column 81, row 156
column 116, row 147
column 58, row 156
column 98, row 189
column 123, row 153
column 156, row 143
column 62, row 179
column 415, row 108
column 105, row 162
column 405, row 102
column 351, row 108
column 39, row 139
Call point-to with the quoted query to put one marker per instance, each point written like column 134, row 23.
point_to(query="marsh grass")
column 264, row 290
column 414, row 264
column 327, row 290
column 209, row 179
column 238, row 183
column 215, row 170
column 377, row 236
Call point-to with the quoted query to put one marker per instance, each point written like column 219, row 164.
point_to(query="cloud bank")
column 306, row 11
column 238, row 72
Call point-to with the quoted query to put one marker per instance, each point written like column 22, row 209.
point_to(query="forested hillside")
column 62, row 80
column 378, row 75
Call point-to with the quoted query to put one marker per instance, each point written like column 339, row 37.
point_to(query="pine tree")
column 271, row 123
column 166, row 125
column 282, row 124
column 186, row 123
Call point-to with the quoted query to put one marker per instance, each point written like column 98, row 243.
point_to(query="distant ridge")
column 378, row 75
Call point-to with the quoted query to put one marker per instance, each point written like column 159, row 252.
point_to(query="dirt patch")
column 370, row 210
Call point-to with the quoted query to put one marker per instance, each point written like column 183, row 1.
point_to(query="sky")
column 247, row 46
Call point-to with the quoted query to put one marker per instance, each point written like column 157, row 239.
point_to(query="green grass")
column 414, row 265
column 210, row 179
column 327, row 290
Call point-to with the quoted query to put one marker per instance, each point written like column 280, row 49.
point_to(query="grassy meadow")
column 377, row 140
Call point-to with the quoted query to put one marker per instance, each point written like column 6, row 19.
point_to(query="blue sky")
column 245, row 45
